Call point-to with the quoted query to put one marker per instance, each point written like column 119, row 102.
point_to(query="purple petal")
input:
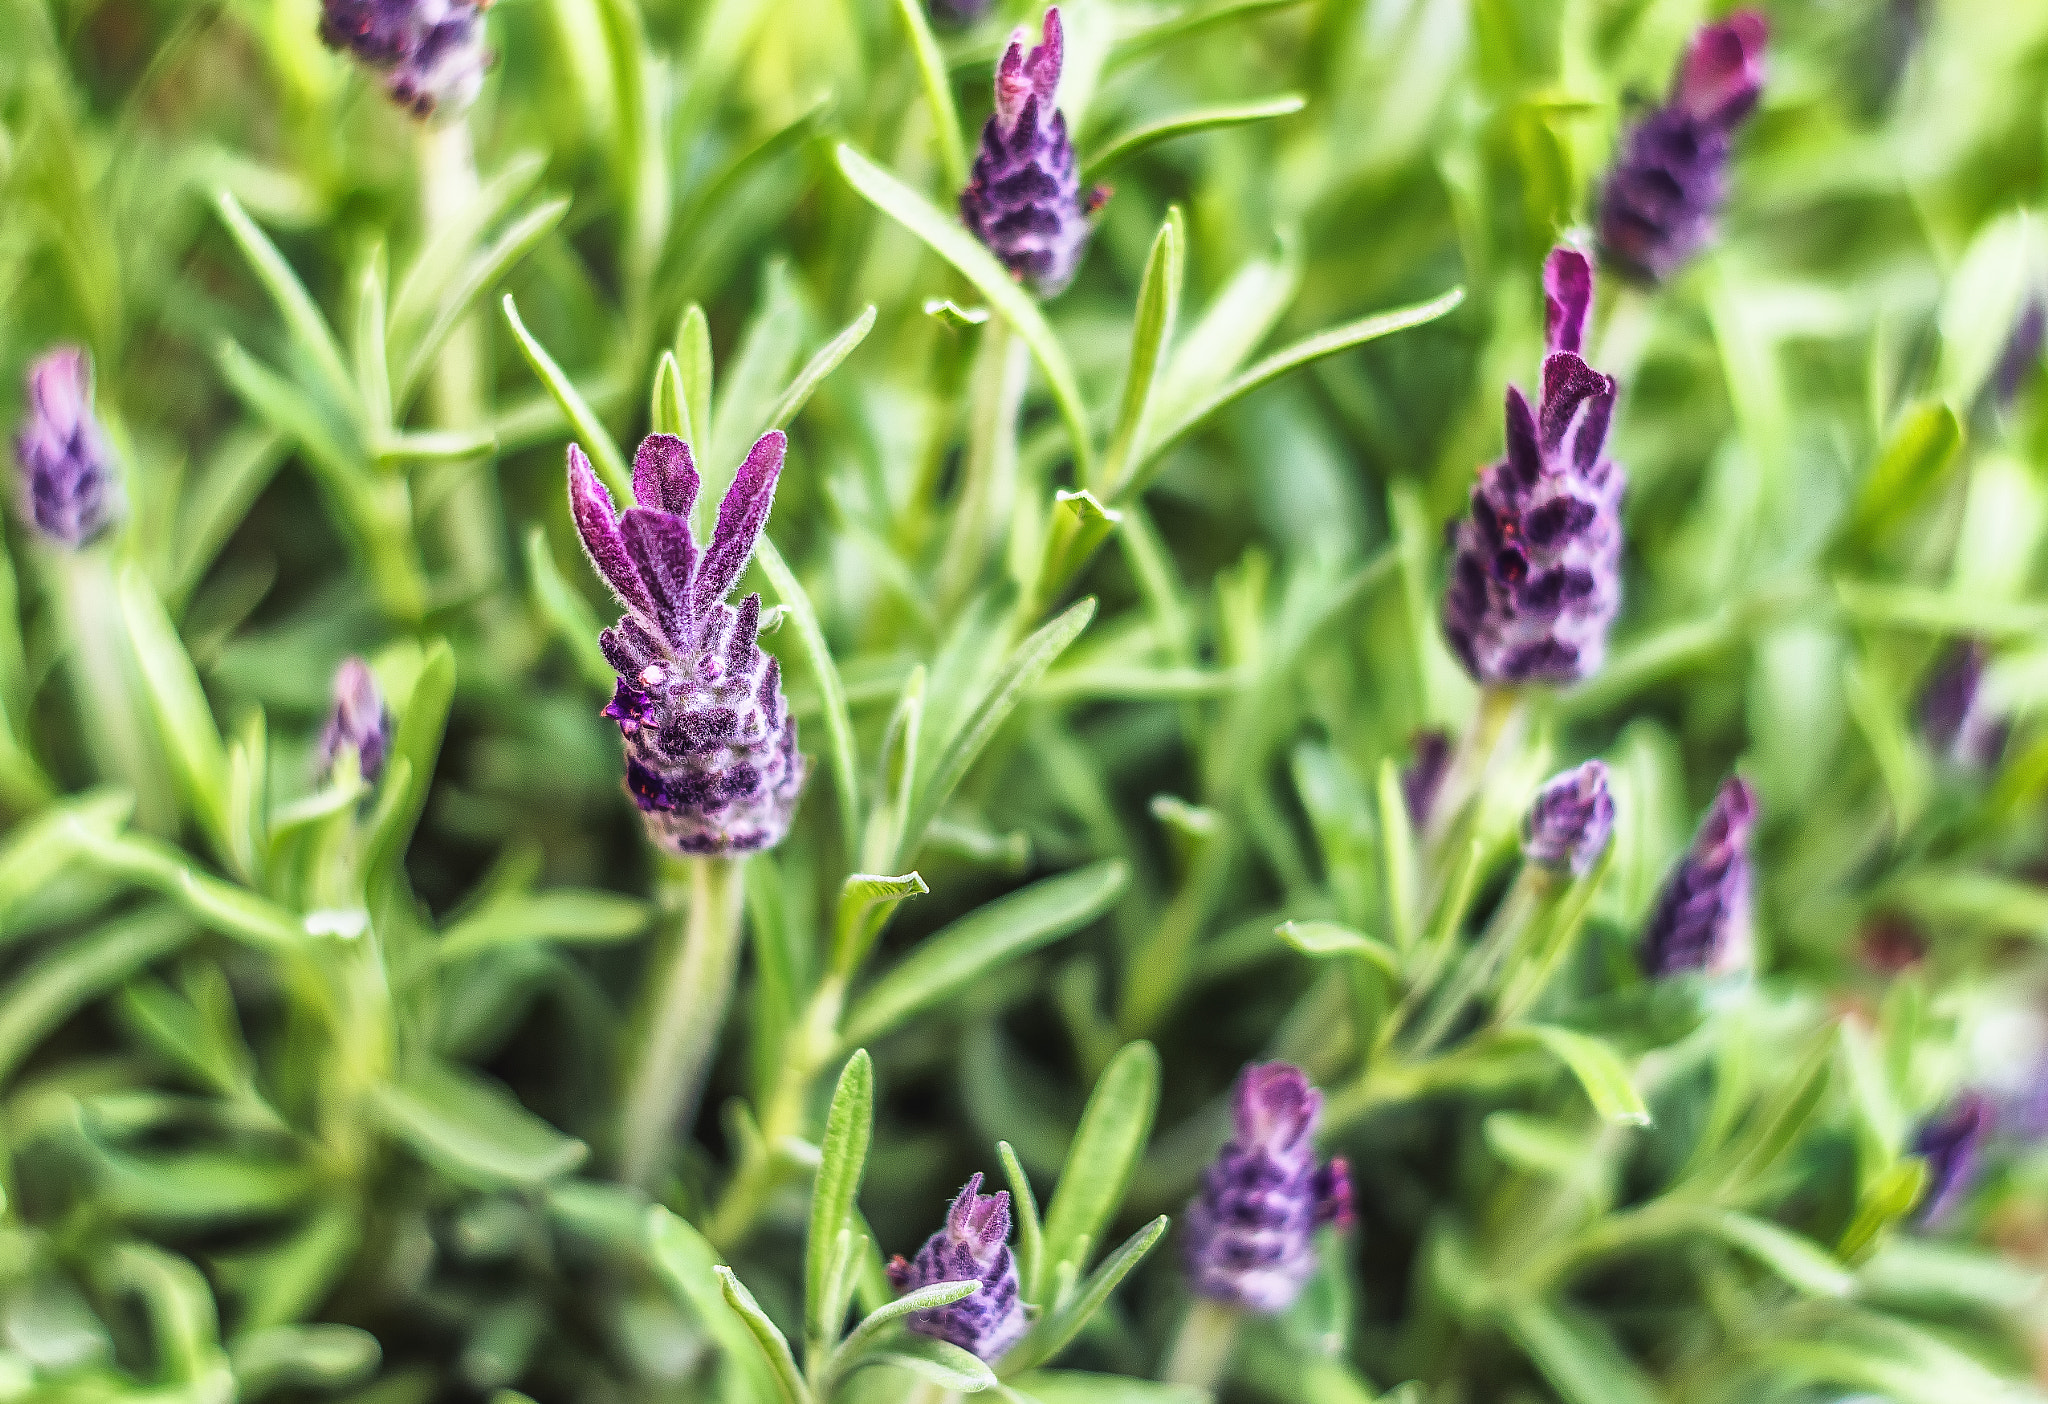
column 741, row 517
column 1577, row 403
column 598, row 525
column 1525, row 456
column 661, row 547
column 1723, row 71
column 664, row 475
column 1567, row 298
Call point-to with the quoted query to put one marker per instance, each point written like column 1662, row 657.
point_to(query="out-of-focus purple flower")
column 961, row 12
column 2022, row 351
column 972, row 1247
column 1251, row 1231
column 430, row 53
column 1023, row 198
column 1952, row 1144
column 1536, row 566
column 1671, row 178
column 1703, row 919
column 1953, row 715
column 711, row 755
column 67, row 475
column 1423, row 779
column 1571, row 821
column 359, row 721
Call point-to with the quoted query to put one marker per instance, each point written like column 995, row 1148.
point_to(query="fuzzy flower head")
column 1671, row 178
column 972, row 1247
column 429, row 53
column 1954, row 717
column 1536, row 566
column 1023, row 198
column 711, row 755
column 1571, row 821
column 1952, row 1145
column 359, row 721
column 1703, row 919
column 1250, row 1237
column 68, row 486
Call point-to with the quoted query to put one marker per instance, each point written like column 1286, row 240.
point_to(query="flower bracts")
column 1571, row 821
column 1703, row 918
column 711, row 755
column 973, row 1246
column 68, row 487
column 430, row 53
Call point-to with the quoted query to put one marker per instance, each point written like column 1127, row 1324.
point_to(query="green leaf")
column 1235, row 322
column 1599, row 1070
column 471, row 1128
column 1200, row 119
column 938, row 94
column 574, row 622
column 1024, row 1214
column 843, row 1156
column 774, row 1348
column 372, row 364
column 946, row 238
column 683, row 1257
column 313, row 1357
column 589, row 429
column 1535, row 1146
column 1397, row 858
column 1927, row 440
column 1911, row 607
column 825, row 674
column 435, row 446
column 1890, row 1198
column 190, row 736
column 1327, row 938
column 694, row 371
column 1151, row 333
column 1056, row 1332
column 872, row 1325
column 183, row 1323
column 1577, row 1355
column 450, row 241
column 941, row 1363
column 1106, row 1148
column 37, row 850
column 481, row 273
column 308, row 329
column 980, row 943
column 670, row 412
column 817, row 368
column 68, row 976
column 1747, row 1161
column 560, row 914
column 1081, row 1387
column 866, row 901
column 1799, row 1261
column 420, row 685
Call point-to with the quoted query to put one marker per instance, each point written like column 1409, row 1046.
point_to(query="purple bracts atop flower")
column 1023, row 198
column 1250, row 1237
column 1536, row 567
column 1703, row 919
column 1951, row 1144
column 1671, row 178
column 972, row 1247
column 1953, row 716
column 1571, row 822
column 1423, row 779
column 711, row 755
column 68, row 485
column 359, row 722
column 430, row 52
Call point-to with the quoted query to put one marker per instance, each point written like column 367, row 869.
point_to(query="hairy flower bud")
column 1251, row 1231
column 1571, row 821
column 711, row 755
column 1536, row 566
column 68, row 485
column 972, row 1247
column 1671, row 178
column 1957, row 723
column 1023, row 198
column 1952, row 1144
column 1703, row 919
column 430, row 53
column 359, row 722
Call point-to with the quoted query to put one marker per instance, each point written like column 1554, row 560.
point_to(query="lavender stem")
column 1201, row 1352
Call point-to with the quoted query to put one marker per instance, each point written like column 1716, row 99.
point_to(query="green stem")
column 1201, row 1352
column 687, row 994
column 1478, row 751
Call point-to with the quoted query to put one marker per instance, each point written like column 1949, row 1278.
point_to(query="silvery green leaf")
column 1114, row 1128
column 848, row 1126
column 472, row 1129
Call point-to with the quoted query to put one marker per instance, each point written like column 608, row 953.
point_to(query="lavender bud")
column 1423, row 779
column 1703, row 918
column 1251, row 1231
column 1952, row 1144
column 973, row 1246
column 1536, row 566
column 711, row 755
column 68, row 485
column 1023, row 198
column 430, row 53
column 1571, row 822
column 360, row 722
column 2022, row 351
column 1671, row 178
column 1957, row 724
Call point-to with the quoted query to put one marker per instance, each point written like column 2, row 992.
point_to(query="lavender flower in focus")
column 1536, row 567
column 430, row 53
column 1423, row 778
column 711, row 755
column 1953, row 716
column 1952, row 1144
column 1671, row 178
column 359, row 722
column 1251, row 1231
column 68, row 485
column 1571, row 821
column 973, row 1246
column 1703, row 919
column 1023, row 199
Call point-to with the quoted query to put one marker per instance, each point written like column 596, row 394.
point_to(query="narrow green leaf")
column 1327, row 938
column 1577, row 1356
column 1916, row 455
column 186, row 721
column 939, row 1362
column 372, row 368
column 1024, row 1214
column 1890, row 1198
column 1599, row 1070
column 1151, row 334
column 480, row 274
column 938, row 94
column 63, row 980
column 1200, row 119
column 774, row 1348
column 1916, row 608
column 817, row 368
column 1236, row 320
column 866, row 901
column 872, row 1325
column 559, row 914
column 312, row 1357
column 670, row 412
column 471, row 1128
column 683, row 1257
column 1056, row 1332
column 1799, row 1261
column 449, row 242
column 1397, row 858
column 309, row 330
column 843, row 1156
column 590, row 431
column 1106, row 1148
column 825, row 674
column 434, row 445
column 571, row 616
column 694, row 371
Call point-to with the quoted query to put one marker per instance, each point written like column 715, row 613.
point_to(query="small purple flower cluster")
column 430, row 53
column 359, row 722
column 973, row 1246
column 1959, row 725
column 1952, row 1145
column 1703, row 918
column 1571, row 821
column 68, row 486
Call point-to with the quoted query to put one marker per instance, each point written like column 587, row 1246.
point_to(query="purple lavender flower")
column 1251, row 1231
column 1423, row 779
column 1952, row 1144
column 360, row 722
column 1703, row 918
column 973, row 1246
column 1023, row 199
column 1958, row 725
column 430, row 53
column 2022, row 351
column 1671, row 178
column 711, row 755
column 1536, row 567
column 68, row 484
column 1571, row 822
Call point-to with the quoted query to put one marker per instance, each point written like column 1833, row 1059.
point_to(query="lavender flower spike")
column 1671, row 178
column 1251, row 1231
column 1536, row 567
column 430, row 53
column 711, row 755
column 973, row 1246
column 1571, row 822
column 1023, row 198
column 1951, row 1144
column 360, row 722
column 1953, row 716
column 68, row 484
column 1703, row 919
